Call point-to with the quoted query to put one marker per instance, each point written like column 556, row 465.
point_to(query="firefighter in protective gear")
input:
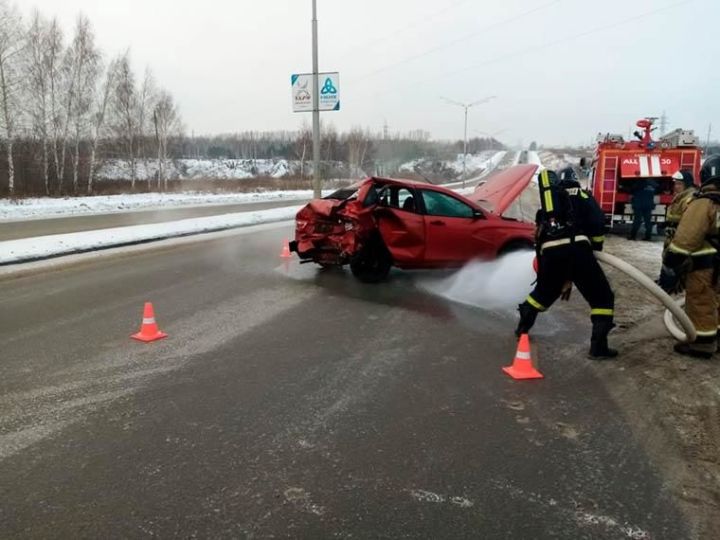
column 570, row 226
column 684, row 188
column 692, row 260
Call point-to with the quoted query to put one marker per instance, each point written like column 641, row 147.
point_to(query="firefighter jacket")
column 698, row 234
column 568, row 214
column 675, row 211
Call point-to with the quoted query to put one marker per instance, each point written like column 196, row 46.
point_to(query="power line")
column 390, row 36
column 457, row 40
column 549, row 44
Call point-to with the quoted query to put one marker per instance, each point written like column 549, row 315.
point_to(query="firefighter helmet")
column 684, row 176
column 710, row 171
column 567, row 174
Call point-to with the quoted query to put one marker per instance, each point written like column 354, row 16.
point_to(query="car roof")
column 423, row 184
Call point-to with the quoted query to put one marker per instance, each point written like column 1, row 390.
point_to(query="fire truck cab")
column 619, row 165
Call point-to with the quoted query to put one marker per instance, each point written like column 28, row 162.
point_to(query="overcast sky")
column 562, row 70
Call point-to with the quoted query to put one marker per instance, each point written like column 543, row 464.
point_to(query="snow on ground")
column 190, row 169
column 68, row 206
column 555, row 160
column 534, row 159
column 487, row 159
column 41, row 247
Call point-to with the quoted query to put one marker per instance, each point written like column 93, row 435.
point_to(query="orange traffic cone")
column 285, row 253
column 149, row 330
column 522, row 367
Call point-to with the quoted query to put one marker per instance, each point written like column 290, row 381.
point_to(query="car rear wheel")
column 372, row 264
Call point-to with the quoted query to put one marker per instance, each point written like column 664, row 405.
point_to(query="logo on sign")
column 328, row 87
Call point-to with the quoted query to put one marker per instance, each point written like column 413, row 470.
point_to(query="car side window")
column 440, row 204
column 398, row 197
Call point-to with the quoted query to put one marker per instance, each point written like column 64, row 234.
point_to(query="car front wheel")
column 372, row 264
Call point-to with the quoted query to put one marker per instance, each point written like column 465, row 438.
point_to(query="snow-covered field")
column 41, row 247
column 11, row 210
column 487, row 159
column 191, row 169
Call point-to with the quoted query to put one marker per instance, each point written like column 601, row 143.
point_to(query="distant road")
column 40, row 227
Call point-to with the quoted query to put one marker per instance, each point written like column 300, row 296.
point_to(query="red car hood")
column 501, row 189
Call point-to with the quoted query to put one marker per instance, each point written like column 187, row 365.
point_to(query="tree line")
column 64, row 108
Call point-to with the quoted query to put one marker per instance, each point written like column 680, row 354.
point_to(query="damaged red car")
column 379, row 223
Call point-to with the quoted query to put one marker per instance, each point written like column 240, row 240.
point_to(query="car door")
column 401, row 226
column 454, row 230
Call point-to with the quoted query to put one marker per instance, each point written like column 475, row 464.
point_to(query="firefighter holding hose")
column 570, row 226
column 684, row 190
column 692, row 262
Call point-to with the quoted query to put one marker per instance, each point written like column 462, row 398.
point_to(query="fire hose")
column 675, row 317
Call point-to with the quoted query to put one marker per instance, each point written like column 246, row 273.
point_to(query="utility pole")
column 466, row 106
column 663, row 124
column 707, row 141
column 317, row 180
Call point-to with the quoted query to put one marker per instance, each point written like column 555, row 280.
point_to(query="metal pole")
column 707, row 142
column 465, row 146
column 317, row 181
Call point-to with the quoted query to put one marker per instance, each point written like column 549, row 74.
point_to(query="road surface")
column 12, row 230
column 296, row 403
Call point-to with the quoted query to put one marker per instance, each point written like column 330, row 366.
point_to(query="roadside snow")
column 11, row 210
column 190, row 169
column 42, row 247
column 486, row 160
column 534, row 159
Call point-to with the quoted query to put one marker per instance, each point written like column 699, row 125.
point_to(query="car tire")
column 372, row 264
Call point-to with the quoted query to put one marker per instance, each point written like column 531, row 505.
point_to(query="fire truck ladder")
column 608, row 191
column 687, row 161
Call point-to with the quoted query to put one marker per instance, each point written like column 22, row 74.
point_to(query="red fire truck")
column 618, row 164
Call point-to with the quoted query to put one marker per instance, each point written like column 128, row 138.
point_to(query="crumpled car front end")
column 327, row 232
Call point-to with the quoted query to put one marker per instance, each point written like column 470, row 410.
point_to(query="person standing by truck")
column 643, row 203
column 684, row 190
column 692, row 261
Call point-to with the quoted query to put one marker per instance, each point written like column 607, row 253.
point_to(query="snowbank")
column 43, row 247
column 191, row 169
column 68, row 206
column 485, row 160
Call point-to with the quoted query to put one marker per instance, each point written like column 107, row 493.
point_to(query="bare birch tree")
column 99, row 114
column 54, row 53
column 11, row 48
column 124, row 107
column 166, row 119
column 145, row 107
column 86, row 59
column 38, row 49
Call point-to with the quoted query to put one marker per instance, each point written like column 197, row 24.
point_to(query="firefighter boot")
column 599, row 349
column 528, row 314
column 686, row 349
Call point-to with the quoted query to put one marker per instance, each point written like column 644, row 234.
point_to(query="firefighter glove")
column 566, row 291
column 670, row 280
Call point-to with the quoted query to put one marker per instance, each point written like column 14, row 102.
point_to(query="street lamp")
column 466, row 106
column 317, row 181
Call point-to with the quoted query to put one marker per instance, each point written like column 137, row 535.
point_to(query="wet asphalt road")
column 294, row 403
column 12, row 230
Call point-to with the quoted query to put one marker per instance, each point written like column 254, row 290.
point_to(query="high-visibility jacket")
column 568, row 214
column 675, row 212
column 698, row 234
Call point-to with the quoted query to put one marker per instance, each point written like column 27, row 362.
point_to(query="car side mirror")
column 477, row 214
